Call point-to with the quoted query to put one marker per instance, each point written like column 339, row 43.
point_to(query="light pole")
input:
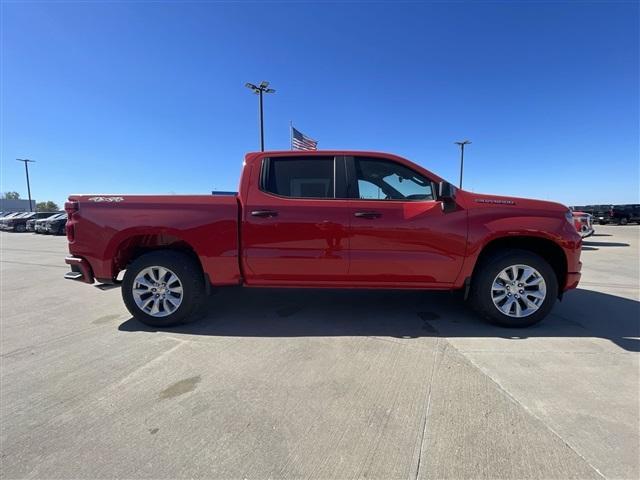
column 462, row 144
column 259, row 90
column 26, row 171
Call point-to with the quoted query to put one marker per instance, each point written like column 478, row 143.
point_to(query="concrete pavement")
column 317, row 384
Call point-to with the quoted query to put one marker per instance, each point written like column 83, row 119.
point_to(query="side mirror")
column 446, row 191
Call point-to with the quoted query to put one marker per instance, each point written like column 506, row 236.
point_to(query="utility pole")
column 26, row 162
column 259, row 90
column 462, row 144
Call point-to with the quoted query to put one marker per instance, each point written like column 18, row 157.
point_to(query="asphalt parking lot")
column 318, row 384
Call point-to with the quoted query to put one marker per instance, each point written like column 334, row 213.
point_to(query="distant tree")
column 11, row 195
column 47, row 206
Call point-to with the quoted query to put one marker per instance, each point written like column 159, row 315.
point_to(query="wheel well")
column 137, row 245
column 547, row 249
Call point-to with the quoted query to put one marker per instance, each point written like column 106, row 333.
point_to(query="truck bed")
column 114, row 225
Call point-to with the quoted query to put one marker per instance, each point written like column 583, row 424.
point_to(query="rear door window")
column 300, row 177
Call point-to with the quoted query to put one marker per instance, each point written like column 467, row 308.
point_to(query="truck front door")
column 399, row 234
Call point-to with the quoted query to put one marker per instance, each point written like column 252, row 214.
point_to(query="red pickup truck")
column 336, row 219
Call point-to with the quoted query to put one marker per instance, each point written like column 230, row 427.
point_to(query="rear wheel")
column 20, row 228
column 163, row 288
column 514, row 288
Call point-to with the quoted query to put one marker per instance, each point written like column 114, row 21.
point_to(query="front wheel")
column 163, row 288
column 514, row 288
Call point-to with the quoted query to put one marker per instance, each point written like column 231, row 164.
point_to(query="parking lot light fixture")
column 462, row 144
column 260, row 90
column 26, row 162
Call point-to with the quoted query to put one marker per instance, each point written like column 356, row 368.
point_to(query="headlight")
column 569, row 216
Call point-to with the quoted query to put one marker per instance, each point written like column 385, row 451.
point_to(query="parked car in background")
column 41, row 224
column 618, row 214
column 17, row 223
column 31, row 225
column 8, row 215
column 41, row 218
column 601, row 213
column 623, row 214
column 56, row 224
column 334, row 219
column 583, row 222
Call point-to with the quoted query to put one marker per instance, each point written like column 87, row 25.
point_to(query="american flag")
column 299, row 141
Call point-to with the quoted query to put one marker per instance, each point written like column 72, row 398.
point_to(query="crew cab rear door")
column 294, row 228
column 399, row 233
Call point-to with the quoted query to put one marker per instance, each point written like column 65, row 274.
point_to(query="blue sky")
column 144, row 97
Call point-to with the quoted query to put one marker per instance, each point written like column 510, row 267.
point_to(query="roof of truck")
column 252, row 156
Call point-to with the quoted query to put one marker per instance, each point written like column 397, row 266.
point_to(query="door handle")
column 264, row 213
column 369, row 215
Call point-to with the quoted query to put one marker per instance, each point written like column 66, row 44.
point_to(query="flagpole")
column 290, row 135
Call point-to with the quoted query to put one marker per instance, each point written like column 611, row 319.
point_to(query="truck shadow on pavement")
column 604, row 244
column 246, row 312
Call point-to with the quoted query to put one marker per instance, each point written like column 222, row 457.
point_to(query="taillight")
column 70, row 207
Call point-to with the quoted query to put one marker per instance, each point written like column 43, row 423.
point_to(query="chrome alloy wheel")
column 157, row 291
column 518, row 291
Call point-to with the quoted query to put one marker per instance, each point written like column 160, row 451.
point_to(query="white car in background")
column 583, row 222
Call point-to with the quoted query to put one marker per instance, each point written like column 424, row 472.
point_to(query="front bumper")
column 573, row 279
column 80, row 270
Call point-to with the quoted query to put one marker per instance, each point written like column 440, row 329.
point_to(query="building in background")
column 16, row 205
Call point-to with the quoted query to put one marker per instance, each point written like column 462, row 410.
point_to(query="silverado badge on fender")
column 495, row 200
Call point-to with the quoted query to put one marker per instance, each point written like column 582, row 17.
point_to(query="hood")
column 480, row 200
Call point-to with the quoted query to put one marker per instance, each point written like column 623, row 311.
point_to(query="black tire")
column 480, row 295
column 188, row 272
column 20, row 228
column 624, row 221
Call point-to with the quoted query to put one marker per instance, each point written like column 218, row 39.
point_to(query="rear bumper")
column 80, row 270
